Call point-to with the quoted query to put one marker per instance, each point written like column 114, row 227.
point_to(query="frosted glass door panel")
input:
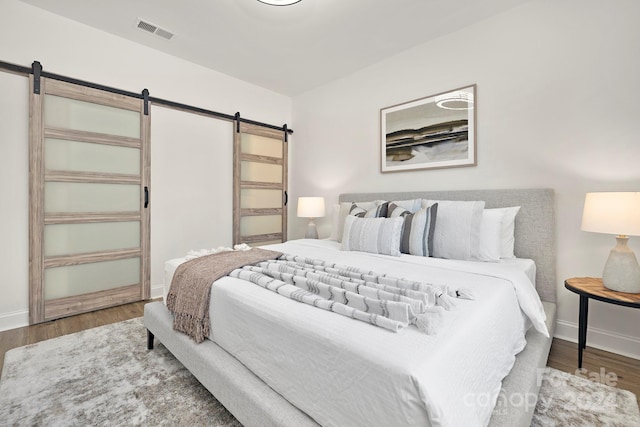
column 80, row 279
column 88, row 157
column 63, row 239
column 260, row 186
column 261, row 172
column 267, row 224
column 260, row 145
column 253, row 198
column 90, row 197
column 72, row 114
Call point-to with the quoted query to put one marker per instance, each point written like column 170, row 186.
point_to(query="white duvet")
column 343, row 372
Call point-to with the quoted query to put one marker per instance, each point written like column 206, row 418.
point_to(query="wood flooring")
column 68, row 325
column 598, row 365
column 563, row 356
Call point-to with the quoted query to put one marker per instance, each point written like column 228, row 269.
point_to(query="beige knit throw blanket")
column 190, row 291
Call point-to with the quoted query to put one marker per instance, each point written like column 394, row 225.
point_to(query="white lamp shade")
column 311, row 207
column 612, row 213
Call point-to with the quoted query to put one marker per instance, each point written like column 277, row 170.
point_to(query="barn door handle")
column 146, row 197
column 286, row 198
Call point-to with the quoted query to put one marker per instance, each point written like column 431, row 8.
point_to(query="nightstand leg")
column 582, row 328
column 586, row 316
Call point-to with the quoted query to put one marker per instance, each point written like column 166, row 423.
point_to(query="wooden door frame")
column 238, row 184
column 39, row 309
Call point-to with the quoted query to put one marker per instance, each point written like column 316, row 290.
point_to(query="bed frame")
column 254, row 403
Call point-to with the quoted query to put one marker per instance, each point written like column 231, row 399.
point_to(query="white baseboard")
column 157, row 291
column 601, row 339
column 20, row 318
column 14, row 319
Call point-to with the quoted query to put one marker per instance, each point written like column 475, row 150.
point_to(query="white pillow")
column 457, row 232
column 508, row 232
column 374, row 235
column 491, row 235
column 345, row 207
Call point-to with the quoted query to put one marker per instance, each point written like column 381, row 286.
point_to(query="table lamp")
column 619, row 214
column 311, row 207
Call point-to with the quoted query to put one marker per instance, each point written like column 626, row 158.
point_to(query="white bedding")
column 346, row 373
column 527, row 266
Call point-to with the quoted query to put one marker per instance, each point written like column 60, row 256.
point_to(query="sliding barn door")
column 89, row 215
column 260, row 186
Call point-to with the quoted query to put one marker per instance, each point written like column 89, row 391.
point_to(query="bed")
column 259, row 394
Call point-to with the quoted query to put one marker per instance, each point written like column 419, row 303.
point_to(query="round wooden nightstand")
column 591, row 287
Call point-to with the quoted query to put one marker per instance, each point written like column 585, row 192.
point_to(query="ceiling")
column 287, row 49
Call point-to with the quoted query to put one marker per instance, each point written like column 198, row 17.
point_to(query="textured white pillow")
column 374, row 235
column 508, row 232
column 457, row 232
column 491, row 235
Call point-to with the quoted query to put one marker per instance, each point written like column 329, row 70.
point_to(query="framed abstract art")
column 438, row 131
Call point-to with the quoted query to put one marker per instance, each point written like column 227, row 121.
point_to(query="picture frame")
column 434, row 132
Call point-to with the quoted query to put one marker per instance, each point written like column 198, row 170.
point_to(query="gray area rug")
column 106, row 376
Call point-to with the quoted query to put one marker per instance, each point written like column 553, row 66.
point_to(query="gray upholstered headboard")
column 535, row 223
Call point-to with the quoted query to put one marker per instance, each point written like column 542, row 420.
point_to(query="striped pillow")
column 412, row 205
column 417, row 230
column 374, row 235
column 343, row 212
column 457, row 235
column 379, row 211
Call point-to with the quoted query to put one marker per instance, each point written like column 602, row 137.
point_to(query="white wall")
column 14, row 198
column 193, row 185
column 557, row 105
column 190, row 154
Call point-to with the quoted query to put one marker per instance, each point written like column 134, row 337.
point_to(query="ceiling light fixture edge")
column 279, row 2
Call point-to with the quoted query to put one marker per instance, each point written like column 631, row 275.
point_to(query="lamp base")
column 312, row 230
column 622, row 272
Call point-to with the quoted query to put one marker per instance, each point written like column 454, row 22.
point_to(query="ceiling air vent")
column 164, row 33
column 153, row 29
